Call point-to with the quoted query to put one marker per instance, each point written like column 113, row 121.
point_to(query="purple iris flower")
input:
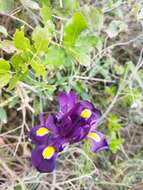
column 74, row 121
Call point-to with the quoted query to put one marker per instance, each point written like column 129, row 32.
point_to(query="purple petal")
column 96, row 114
column 39, row 135
column 82, row 106
column 58, row 142
column 79, row 133
column 65, row 126
column 67, row 101
column 40, row 163
column 99, row 141
column 50, row 124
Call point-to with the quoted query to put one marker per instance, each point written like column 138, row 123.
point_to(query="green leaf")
column 17, row 62
column 37, row 106
column 3, row 31
column 5, row 74
column 74, row 27
column 3, row 115
column 21, row 69
column 13, row 81
column 20, row 41
column 41, row 37
column 113, row 123
column 115, row 144
column 55, row 57
column 4, row 66
column 46, row 13
column 39, row 69
column 83, row 46
column 4, row 79
column 20, row 76
column 111, row 90
column 86, row 43
column 119, row 69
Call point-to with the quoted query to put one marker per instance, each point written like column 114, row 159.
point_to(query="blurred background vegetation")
column 92, row 47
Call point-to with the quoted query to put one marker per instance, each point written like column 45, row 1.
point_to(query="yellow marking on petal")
column 94, row 136
column 86, row 113
column 42, row 131
column 48, row 152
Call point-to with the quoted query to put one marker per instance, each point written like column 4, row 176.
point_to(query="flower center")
column 48, row 152
column 95, row 137
column 42, row 131
column 86, row 113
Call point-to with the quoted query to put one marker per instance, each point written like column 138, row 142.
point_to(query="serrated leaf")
column 4, row 79
column 41, row 37
column 17, row 61
column 4, row 66
column 39, row 69
column 111, row 90
column 113, row 123
column 3, row 31
column 83, row 46
column 115, row 144
column 46, row 13
column 55, row 57
column 86, row 43
column 14, row 81
column 20, row 41
column 74, row 27
column 5, row 74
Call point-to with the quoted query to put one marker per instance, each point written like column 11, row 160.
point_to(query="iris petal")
column 43, row 165
column 39, row 135
column 50, row 124
column 99, row 141
column 94, row 136
column 67, row 102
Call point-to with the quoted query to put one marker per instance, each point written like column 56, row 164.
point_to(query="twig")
column 94, row 79
column 17, row 19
